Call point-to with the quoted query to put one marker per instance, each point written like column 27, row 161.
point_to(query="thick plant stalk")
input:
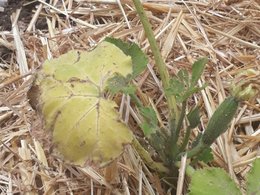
column 174, row 113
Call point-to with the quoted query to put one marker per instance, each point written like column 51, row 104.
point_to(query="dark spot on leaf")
column 83, row 143
column 78, row 58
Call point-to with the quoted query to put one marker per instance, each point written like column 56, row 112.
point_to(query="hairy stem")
column 158, row 58
column 181, row 118
column 176, row 132
column 186, row 139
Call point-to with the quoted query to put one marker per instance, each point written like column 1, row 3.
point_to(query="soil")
column 11, row 7
column 5, row 18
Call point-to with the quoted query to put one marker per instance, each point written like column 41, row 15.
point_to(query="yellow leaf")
column 92, row 134
column 85, row 126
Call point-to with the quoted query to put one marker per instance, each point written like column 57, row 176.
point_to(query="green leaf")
column 213, row 181
column 150, row 125
column 179, row 88
column 148, row 128
column 119, row 83
column 176, row 87
column 158, row 142
column 206, row 155
column 186, row 94
column 149, row 113
column 197, row 70
column 253, row 179
column 139, row 59
column 194, row 117
column 197, row 140
column 119, row 43
column 85, row 126
column 183, row 75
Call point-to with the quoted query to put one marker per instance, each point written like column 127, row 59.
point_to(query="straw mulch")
column 228, row 32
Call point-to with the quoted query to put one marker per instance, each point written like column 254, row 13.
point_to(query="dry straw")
column 225, row 31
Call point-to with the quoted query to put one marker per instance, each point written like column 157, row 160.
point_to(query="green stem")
column 189, row 169
column 158, row 59
column 186, row 139
column 136, row 100
column 181, row 118
column 159, row 167
column 195, row 151
column 176, row 132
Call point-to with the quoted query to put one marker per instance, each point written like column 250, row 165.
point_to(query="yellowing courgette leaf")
column 85, row 125
column 92, row 134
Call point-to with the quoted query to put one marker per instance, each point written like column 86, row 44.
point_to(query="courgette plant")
column 167, row 142
column 84, row 125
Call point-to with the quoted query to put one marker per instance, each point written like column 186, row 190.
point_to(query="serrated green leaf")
column 206, row 155
column 253, row 179
column 194, row 117
column 158, row 142
column 186, row 94
column 213, row 181
column 119, row 83
column 183, row 75
column 85, row 126
column 119, row 43
column 139, row 59
column 150, row 124
column 180, row 90
column 176, row 87
column 197, row 70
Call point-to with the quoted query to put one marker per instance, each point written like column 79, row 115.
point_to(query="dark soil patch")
column 11, row 7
